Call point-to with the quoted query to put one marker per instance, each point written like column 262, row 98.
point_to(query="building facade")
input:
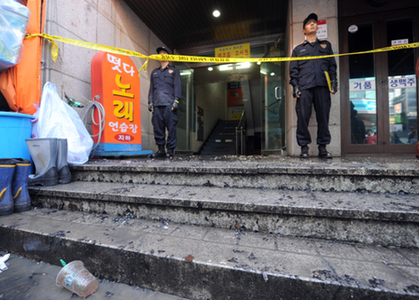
column 381, row 87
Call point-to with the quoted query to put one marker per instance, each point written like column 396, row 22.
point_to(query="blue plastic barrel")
column 14, row 129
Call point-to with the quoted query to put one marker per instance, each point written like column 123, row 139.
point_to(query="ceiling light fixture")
column 244, row 65
column 216, row 13
column 210, row 69
column 183, row 73
column 226, row 67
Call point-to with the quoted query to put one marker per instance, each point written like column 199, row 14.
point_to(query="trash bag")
column 58, row 120
column 35, row 122
column 14, row 22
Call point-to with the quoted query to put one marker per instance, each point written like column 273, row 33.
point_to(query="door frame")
column 378, row 21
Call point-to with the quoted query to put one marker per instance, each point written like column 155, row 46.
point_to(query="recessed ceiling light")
column 210, row 69
column 216, row 13
column 244, row 65
column 226, row 67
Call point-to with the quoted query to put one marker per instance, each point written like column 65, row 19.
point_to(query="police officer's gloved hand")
column 150, row 107
column 335, row 85
column 175, row 105
column 296, row 92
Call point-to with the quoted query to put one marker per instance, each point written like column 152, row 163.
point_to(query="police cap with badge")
column 162, row 48
column 311, row 16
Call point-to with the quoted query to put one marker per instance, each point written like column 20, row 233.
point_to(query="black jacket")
column 310, row 73
column 165, row 86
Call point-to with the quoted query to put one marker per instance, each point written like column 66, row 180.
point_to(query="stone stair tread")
column 234, row 165
column 363, row 269
column 345, row 205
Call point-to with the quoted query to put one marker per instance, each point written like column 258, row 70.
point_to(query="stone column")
column 298, row 10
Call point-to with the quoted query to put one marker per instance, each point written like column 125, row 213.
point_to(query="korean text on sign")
column 405, row 82
column 234, row 51
column 115, row 81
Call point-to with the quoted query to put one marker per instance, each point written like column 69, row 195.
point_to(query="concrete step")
column 221, row 133
column 198, row 262
column 220, row 146
column 258, row 172
column 381, row 219
column 218, row 151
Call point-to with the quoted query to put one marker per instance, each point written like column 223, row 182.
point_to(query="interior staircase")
column 247, row 228
column 222, row 140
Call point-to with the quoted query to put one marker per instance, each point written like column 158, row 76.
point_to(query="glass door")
column 379, row 89
column 186, row 115
column 272, row 78
column 402, row 82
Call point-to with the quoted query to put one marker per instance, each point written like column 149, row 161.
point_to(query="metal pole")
column 237, row 141
column 242, row 141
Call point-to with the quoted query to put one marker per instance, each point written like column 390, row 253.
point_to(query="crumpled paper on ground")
column 3, row 259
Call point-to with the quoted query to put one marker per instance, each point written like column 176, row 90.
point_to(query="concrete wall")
column 212, row 98
column 107, row 22
column 298, row 11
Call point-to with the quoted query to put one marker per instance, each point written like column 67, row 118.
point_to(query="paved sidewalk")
column 27, row 279
column 345, row 266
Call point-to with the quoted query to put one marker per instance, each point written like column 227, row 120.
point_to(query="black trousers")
column 319, row 97
column 164, row 118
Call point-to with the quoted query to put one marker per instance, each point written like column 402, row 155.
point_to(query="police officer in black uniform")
column 311, row 87
column 163, row 101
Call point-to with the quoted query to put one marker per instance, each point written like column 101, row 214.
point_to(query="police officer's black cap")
column 311, row 16
column 162, row 48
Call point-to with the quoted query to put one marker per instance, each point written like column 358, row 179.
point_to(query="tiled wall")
column 107, row 22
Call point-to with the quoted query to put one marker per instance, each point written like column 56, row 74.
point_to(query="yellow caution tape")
column 200, row 59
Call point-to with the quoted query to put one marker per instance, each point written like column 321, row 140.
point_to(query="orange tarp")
column 21, row 85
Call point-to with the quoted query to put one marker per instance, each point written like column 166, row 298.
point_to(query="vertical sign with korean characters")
column 322, row 29
column 116, row 85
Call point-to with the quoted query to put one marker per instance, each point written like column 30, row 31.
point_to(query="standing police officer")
column 163, row 101
column 311, row 87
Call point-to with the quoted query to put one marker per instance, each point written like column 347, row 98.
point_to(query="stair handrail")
column 241, row 118
column 240, row 135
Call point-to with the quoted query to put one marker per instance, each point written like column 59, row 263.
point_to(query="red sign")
column 398, row 108
column 417, row 68
column 235, row 95
column 116, row 83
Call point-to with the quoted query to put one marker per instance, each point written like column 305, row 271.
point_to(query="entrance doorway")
column 379, row 90
column 272, row 81
column 249, row 96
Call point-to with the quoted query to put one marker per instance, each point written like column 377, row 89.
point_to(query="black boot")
column 170, row 153
column 323, row 152
column 64, row 174
column 44, row 153
column 304, row 152
column 161, row 153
